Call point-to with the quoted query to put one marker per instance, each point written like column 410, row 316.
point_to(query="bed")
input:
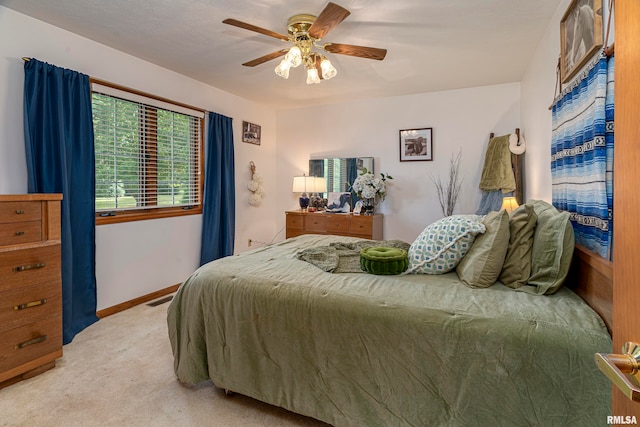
column 356, row 349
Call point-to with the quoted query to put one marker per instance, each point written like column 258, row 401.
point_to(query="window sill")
column 141, row 215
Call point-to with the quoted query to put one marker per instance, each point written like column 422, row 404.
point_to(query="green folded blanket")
column 497, row 173
column 344, row 257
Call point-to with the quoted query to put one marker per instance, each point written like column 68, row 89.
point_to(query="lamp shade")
column 319, row 184
column 302, row 184
column 509, row 204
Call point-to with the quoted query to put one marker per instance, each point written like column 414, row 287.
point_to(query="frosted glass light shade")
column 283, row 69
column 328, row 70
column 294, row 57
column 312, row 76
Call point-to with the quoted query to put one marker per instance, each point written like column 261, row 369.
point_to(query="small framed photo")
column 416, row 145
column 339, row 202
column 251, row 133
column 580, row 36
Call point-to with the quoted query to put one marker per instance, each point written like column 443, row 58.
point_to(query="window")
column 147, row 154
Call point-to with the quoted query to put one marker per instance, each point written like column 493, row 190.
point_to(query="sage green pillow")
column 517, row 264
column 552, row 251
column 482, row 265
column 383, row 260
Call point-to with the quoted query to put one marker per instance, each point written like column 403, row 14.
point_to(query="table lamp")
column 302, row 184
column 509, row 204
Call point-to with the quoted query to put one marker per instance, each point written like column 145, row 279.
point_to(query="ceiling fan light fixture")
column 304, row 33
column 312, row 76
column 328, row 70
column 283, row 69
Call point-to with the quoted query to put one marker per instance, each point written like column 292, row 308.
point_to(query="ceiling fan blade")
column 260, row 30
column 263, row 59
column 359, row 51
column 331, row 16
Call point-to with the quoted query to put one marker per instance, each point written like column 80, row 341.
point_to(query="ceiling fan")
column 305, row 32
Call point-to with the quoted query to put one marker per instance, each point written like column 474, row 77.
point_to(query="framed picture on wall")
column 251, row 133
column 416, row 144
column 580, row 36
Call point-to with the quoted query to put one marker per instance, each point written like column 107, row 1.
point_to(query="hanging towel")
column 490, row 201
column 496, row 172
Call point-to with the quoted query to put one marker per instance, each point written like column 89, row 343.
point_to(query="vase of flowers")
column 370, row 189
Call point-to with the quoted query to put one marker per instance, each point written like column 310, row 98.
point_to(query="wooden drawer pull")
column 19, row 211
column 30, row 266
column 19, row 233
column 35, row 340
column 30, row 304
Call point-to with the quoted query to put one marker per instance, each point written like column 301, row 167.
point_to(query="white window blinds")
column 147, row 156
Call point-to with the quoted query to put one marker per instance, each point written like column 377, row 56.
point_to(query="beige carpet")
column 119, row 372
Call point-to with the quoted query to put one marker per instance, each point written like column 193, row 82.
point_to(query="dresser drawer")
column 315, row 223
column 15, row 233
column 23, row 267
column 338, row 224
column 28, row 304
column 29, row 342
column 295, row 222
column 361, row 225
column 20, row 211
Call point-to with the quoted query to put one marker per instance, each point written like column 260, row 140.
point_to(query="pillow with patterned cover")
column 441, row 246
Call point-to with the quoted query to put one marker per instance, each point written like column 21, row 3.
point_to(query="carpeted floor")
column 119, row 372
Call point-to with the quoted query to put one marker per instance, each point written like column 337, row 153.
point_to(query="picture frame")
column 338, row 202
column 580, row 36
column 416, row 145
column 251, row 133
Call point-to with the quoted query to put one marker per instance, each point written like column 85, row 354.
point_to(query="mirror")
column 340, row 172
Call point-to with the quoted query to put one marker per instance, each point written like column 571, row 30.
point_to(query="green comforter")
column 355, row 349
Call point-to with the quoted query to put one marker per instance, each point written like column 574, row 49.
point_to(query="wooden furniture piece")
column 364, row 226
column 30, row 285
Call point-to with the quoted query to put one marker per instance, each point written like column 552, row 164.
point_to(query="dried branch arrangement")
column 448, row 192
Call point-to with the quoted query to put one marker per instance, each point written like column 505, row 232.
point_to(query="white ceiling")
column 432, row 44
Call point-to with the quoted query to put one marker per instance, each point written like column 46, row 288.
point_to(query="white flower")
column 367, row 186
column 253, row 185
column 255, row 199
column 257, row 192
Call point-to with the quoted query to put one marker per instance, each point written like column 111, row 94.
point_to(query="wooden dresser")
column 364, row 226
column 30, row 285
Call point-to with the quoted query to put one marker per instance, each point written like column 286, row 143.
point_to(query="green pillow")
column 517, row 264
column 552, row 250
column 482, row 265
column 383, row 260
column 441, row 246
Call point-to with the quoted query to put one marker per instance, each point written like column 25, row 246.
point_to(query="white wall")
column 461, row 120
column 135, row 258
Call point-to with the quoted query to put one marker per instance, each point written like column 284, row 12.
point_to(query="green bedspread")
column 365, row 350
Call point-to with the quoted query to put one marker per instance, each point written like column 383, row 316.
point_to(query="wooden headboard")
column 591, row 277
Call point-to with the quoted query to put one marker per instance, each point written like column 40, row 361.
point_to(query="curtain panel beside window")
column 219, row 206
column 58, row 135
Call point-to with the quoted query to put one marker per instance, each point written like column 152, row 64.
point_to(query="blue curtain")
column 352, row 174
column 58, row 134
column 219, row 205
column 582, row 155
